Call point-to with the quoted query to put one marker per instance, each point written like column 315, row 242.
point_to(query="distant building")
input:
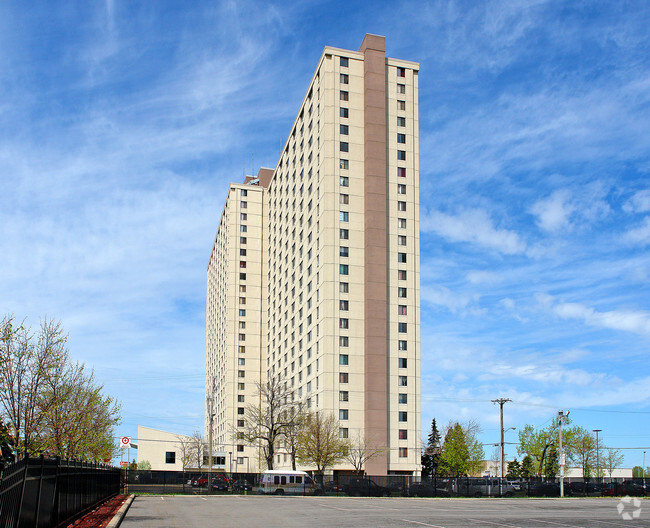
column 314, row 274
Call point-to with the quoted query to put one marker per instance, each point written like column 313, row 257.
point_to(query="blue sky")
column 122, row 124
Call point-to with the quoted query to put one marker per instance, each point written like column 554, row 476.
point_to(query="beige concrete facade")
column 338, row 250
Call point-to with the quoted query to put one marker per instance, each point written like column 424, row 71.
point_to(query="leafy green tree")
column 144, row 465
column 319, row 444
column 552, row 463
column 462, row 453
column 514, row 470
column 637, row 472
column 527, row 467
column 582, row 449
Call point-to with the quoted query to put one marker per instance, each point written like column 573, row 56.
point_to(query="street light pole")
column 561, row 416
column 597, row 453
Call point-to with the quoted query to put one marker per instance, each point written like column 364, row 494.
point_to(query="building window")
column 401, row 327
column 244, row 205
column 241, row 374
column 344, row 181
column 401, row 72
column 344, row 112
column 403, row 452
column 403, row 435
column 242, row 252
column 401, row 206
column 241, row 361
column 344, row 164
column 401, row 138
column 343, row 359
column 343, row 396
column 242, row 337
column 401, row 257
column 343, row 305
column 344, row 96
column 243, row 228
column 240, row 448
column 402, row 362
column 401, row 172
column 401, row 121
column 242, row 276
column 401, row 345
column 241, row 386
column 344, row 199
column 401, row 309
column 401, row 105
column 343, row 377
column 344, row 251
column 401, row 240
column 401, row 223
column 401, row 155
column 242, row 313
column 170, row 457
column 344, row 62
column 344, row 216
column 240, row 423
column 242, row 263
column 401, row 274
column 401, row 293
column 344, row 146
column 403, row 416
column 240, row 398
column 343, row 322
column 240, row 410
column 402, row 381
column 344, row 234
column 401, row 88
column 344, row 341
column 344, row 129
column 344, row 287
column 401, row 188
column 244, row 192
column 242, row 240
column 242, row 300
column 402, row 398
column 345, row 78
column 343, row 414
column 343, row 432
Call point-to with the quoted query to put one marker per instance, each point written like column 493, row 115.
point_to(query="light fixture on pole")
column 560, row 417
column 597, row 453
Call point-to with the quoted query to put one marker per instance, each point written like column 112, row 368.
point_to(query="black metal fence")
column 170, row 482
column 50, row 492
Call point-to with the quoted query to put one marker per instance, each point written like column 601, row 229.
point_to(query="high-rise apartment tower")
column 314, row 275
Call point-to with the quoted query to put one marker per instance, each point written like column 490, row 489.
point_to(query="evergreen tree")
column 552, row 463
column 514, row 470
column 431, row 456
column 527, row 467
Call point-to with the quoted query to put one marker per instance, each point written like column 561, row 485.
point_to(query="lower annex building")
column 314, row 275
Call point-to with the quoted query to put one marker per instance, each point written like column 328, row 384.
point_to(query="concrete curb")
column 117, row 518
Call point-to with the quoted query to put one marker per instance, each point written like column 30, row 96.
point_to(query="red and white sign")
column 125, row 442
column 124, row 464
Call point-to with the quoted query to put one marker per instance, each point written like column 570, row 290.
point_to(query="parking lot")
column 288, row 512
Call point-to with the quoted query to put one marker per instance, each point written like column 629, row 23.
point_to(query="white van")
column 281, row 481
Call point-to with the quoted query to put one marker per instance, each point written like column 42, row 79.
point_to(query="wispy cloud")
column 474, row 226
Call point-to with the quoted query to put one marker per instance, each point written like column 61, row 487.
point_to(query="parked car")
column 242, row 485
column 332, row 486
column 200, row 482
column 583, row 488
column 483, row 487
column 424, row 489
column 544, row 489
column 365, row 487
column 219, row 485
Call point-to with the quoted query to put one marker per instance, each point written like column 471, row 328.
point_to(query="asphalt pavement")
column 288, row 512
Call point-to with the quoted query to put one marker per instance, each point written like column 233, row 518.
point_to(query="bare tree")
column 196, row 448
column 612, row 460
column 184, row 445
column 28, row 361
column 268, row 421
column 582, row 451
column 295, row 420
column 360, row 451
column 319, row 444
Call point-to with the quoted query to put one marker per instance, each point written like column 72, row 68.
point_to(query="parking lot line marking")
column 495, row 524
column 334, row 507
column 423, row 523
column 203, row 498
column 556, row 523
column 618, row 524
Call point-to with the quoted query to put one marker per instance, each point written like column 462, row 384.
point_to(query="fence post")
column 40, row 491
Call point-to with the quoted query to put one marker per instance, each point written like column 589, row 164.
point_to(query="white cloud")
column 639, row 235
column 639, row 203
column 474, row 226
column 553, row 212
column 455, row 302
column 625, row 320
column 483, row 277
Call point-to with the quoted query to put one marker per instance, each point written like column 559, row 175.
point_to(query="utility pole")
column 501, row 402
column 561, row 416
column 210, row 445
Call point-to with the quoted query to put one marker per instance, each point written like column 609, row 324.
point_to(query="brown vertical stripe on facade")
column 375, row 255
